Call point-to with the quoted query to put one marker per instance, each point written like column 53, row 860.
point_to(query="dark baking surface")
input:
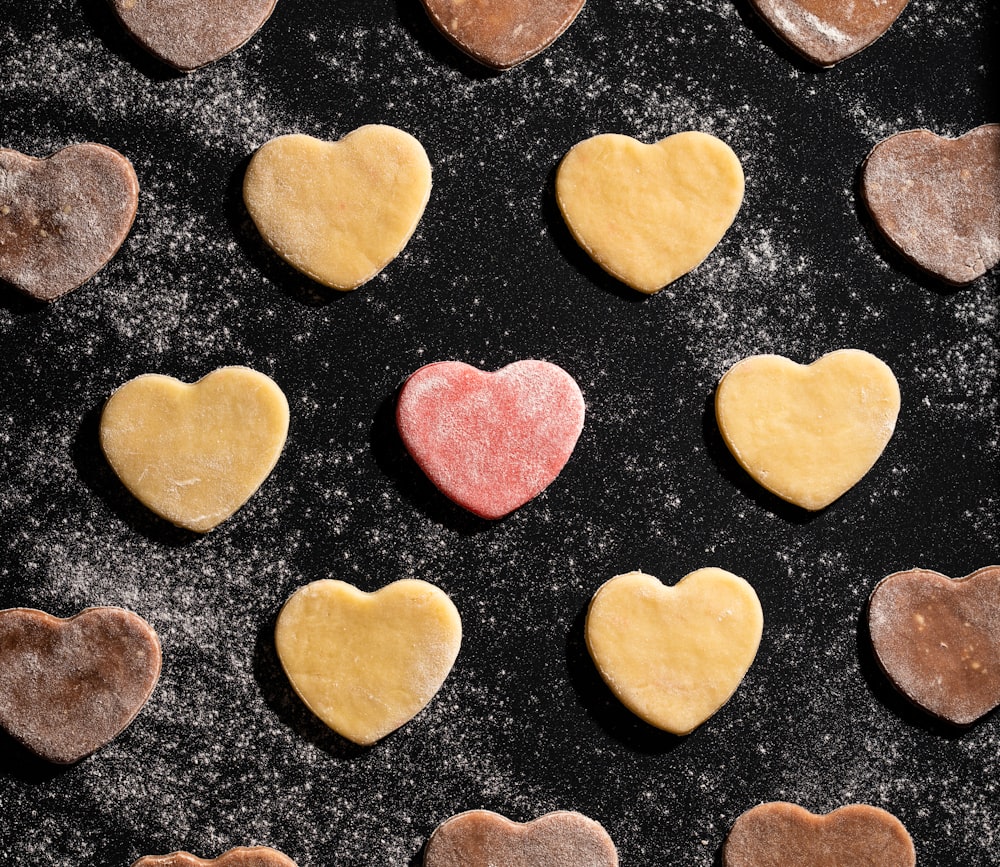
column 224, row 754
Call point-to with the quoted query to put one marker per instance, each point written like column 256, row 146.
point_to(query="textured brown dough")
column 937, row 200
column 252, row 856
column 828, row 31
column 187, row 34
column 786, row 835
column 62, row 219
column 480, row 838
column 938, row 640
column 67, row 687
column 502, row 33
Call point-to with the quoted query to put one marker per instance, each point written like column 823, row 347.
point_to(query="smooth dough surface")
column 808, row 433
column 648, row 214
column 366, row 663
column 194, row 454
column 339, row 211
column 674, row 655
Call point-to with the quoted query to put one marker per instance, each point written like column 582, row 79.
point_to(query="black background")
column 224, row 754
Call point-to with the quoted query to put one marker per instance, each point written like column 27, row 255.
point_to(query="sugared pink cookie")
column 67, row 687
column 244, row 856
column 938, row 640
column 63, row 218
column 786, row 835
column 480, row 838
column 490, row 441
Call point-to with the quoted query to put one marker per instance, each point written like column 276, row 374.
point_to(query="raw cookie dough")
column 366, row 663
column 808, row 433
column 62, row 219
column 778, row 834
column 674, row 655
column 490, row 441
column 340, row 211
column 244, row 856
column 67, row 687
column 187, row 34
column 828, row 31
column 937, row 200
column 502, row 33
column 194, row 454
column 648, row 214
column 480, row 838
column 938, row 640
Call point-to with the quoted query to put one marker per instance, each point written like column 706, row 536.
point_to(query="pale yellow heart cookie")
column 674, row 655
column 366, row 663
column 808, row 433
column 339, row 211
column 195, row 453
column 648, row 214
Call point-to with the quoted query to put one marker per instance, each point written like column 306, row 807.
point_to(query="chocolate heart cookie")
column 244, row 856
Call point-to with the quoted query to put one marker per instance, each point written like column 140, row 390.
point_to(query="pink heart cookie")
column 490, row 441
column 243, row 856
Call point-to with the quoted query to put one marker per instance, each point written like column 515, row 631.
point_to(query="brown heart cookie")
column 938, row 640
column 244, row 856
column 187, row 34
column 937, row 200
column 502, row 33
column 67, row 687
column 480, row 838
column 63, row 218
column 828, row 31
column 786, row 835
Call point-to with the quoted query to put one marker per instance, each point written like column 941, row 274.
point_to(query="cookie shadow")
column 95, row 472
column 418, row 859
column 409, row 480
column 765, row 34
column 281, row 699
column 116, row 39
column 417, row 23
column 19, row 763
column 276, row 270
column 17, row 303
column 731, row 471
column 886, row 694
column 602, row 705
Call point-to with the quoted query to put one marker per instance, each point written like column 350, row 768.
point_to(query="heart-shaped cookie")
column 339, row 211
column 808, row 433
column 67, row 687
column 938, row 640
column 480, row 838
column 187, row 34
column 366, row 663
column 674, row 655
column 648, row 214
column 490, row 441
column 243, row 856
column 828, row 31
column 937, row 200
column 502, row 33
column 786, row 835
column 62, row 219
column 194, row 454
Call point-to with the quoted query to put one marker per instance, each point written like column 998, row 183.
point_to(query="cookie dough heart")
column 937, row 200
column 648, row 214
column 502, row 33
column 67, row 687
column 187, row 34
column 786, row 835
column 194, row 454
column 828, row 31
column 808, row 433
column 340, row 211
column 480, row 838
column 490, row 441
column 938, row 640
column 62, row 219
column 366, row 663
column 674, row 655
column 244, row 856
